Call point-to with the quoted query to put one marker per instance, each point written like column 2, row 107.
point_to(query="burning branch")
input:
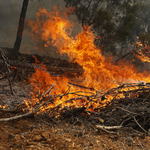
column 44, row 99
column 114, row 109
column 81, row 86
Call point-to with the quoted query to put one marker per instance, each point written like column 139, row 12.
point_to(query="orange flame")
column 99, row 72
column 143, row 52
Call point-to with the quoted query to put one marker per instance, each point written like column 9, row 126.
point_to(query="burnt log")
column 50, row 69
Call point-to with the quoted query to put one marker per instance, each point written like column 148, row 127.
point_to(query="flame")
column 143, row 52
column 99, row 72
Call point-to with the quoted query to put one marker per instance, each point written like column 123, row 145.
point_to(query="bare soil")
column 35, row 134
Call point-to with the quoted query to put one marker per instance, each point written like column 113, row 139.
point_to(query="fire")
column 143, row 52
column 99, row 72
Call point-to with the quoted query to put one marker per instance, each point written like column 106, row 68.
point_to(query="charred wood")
column 50, row 69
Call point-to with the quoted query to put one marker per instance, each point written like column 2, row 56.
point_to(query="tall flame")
column 99, row 72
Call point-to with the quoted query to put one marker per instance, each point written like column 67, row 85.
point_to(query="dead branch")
column 81, row 86
column 127, row 110
column 108, row 127
column 35, row 109
column 7, row 66
column 139, row 125
column 123, row 57
column 50, row 69
column 44, row 94
column 10, row 85
column 17, row 117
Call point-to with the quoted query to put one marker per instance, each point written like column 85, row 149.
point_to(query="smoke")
column 9, row 18
column 8, row 22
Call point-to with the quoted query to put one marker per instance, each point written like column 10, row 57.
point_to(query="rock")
column 32, row 146
column 17, row 138
column 45, row 135
column 68, row 140
column 2, row 148
column 37, row 138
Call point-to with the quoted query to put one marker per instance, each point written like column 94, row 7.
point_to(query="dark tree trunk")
column 20, row 27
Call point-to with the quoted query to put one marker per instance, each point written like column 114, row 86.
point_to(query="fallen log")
column 34, row 66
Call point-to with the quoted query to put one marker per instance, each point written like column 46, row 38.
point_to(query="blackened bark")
column 20, row 27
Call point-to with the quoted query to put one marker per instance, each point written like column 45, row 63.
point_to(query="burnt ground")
column 72, row 132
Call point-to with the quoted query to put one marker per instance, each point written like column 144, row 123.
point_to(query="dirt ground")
column 35, row 133
column 42, row 133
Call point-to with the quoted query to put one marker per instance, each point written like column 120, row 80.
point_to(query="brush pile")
column 129, row 107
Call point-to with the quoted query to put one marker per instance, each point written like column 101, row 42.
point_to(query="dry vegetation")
column 74, row 129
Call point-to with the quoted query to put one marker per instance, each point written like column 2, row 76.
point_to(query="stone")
column 68, row 140
column 17, row 138
column 37, row 138
column 45, row 135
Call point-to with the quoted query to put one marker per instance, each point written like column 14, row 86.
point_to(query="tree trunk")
column 20, row 27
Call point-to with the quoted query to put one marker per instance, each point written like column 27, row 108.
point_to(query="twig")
column 35, row 109
column 108, row 127
column 17, row 117
column 51, row 91
column 123, row 146
column 122, row 57
column 146, row 97
column 81, row 86
column 7, row 66
column 127, row 110
column 48, row 90
column 10, row 85
column 4, row 59
column 140, row 143
column 110, row 132
column 139, row 125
